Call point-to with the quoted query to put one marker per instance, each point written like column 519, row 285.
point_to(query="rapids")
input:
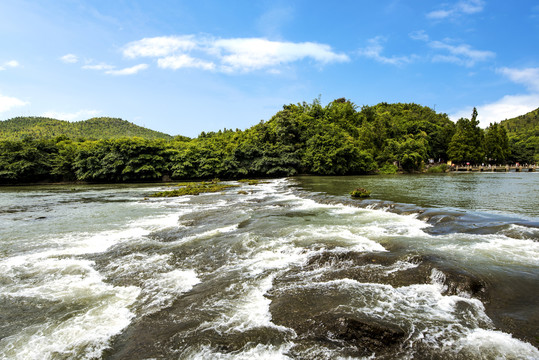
column 294, row 269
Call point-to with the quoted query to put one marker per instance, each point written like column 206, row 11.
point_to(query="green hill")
column 95, row 128
column 523, row 132
column 522, row 124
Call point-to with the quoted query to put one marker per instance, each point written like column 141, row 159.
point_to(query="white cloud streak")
column 184, row 61
column 510, row 105
column 463, row 7
column 100, row 66
column 505, row 108
column 228, row 55
column 79, row 115
column 159, row 46
column 69, row 58
column 529, row 77
column 461, row 54
column 374, row 51
column 128, row 71
column 254, row 53
column 8, row 102
column 9, row 64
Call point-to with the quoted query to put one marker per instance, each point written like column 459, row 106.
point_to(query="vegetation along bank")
column 306, row 138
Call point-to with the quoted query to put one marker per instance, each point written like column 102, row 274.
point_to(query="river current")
column 430, row 267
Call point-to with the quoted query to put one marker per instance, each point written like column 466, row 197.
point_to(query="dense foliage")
column 523, row 132
column 305, row 138
column 95, row 128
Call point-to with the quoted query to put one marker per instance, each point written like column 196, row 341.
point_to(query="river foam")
column 274, row 274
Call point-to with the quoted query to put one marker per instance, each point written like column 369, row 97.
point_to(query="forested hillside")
column 523, row 132
column 303, row 138
column 94, row 129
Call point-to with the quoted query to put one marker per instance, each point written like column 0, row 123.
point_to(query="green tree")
column 496, row 144
column 467, row 143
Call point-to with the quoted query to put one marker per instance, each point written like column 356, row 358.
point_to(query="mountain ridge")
column 95, row 128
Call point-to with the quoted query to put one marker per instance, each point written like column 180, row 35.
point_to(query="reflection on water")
column 508, row 193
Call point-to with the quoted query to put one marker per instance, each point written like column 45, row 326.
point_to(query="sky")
column 183, row 67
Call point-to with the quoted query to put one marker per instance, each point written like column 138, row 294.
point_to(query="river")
column 441, row 266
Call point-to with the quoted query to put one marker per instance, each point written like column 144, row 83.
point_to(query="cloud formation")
column 8, row 102
column 69, row 58
column 79, row 115
column 460, row 54
column 374, row 51
column 528, row 77
column 505, row 108
column 463, row 7
column 9, row 64
column 510, row 105
column 184, row 61
column 128, row 71
column 100, row 66
column 228, row 55
column 159, row 46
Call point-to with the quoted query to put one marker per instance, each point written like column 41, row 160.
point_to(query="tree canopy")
column 94, row 129
column 305, row 138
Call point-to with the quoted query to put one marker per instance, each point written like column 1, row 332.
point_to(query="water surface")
column 295, row 269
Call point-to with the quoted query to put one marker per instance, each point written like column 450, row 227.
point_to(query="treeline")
column 305, row 138
column 95, row 128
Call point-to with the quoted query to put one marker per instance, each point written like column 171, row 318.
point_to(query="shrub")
column 388, row 169
column 360, row 193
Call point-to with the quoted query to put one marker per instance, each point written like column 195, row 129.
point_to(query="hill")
column 523, row 132
column 95, row 128
column 522, row 124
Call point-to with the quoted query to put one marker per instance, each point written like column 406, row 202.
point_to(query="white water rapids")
column 98, row 272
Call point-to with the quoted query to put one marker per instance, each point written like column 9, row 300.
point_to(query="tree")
column 467, row 143
column 496, row 144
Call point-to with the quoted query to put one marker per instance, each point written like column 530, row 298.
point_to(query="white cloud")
column 69, row 58
column 228, row 55
column 505, row 108
column 100, row 66
column 470, row 6
column 461, row 54
column 128, row 71
column 79, row 115
column 8, row 102
column 374, row 51
column 464, row 7
column 419, row 35
column 9, row 64
column 529, row 77
column 159, row 46
column 246, row 54
column 184, row 61
column 509, row 106
column 439, row 14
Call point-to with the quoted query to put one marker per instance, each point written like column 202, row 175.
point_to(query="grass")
column 249, row 181
column 360, row 193
column 194, row 188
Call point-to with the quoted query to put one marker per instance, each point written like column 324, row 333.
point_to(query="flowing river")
column 430, row 267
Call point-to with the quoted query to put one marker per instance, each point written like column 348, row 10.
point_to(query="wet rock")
column 314, row 320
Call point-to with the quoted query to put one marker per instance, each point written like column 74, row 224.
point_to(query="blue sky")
column 183, row 67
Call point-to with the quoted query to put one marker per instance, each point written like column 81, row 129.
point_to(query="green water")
column 503, row 193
